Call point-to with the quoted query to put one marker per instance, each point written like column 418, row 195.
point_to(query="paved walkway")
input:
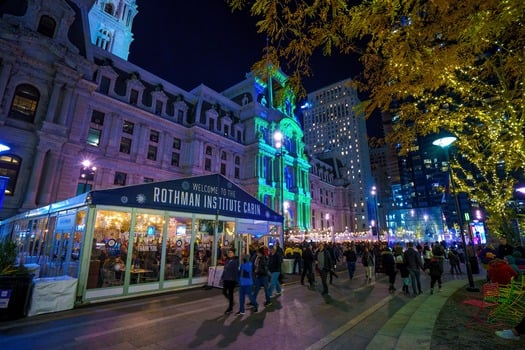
column 357, row 314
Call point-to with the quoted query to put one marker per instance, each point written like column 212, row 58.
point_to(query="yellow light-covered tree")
column 457, row 66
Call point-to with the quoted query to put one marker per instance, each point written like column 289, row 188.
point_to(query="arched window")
column 224, row 156
column 47, row 26
column 208, row 150
column 24, row 103
column 9, row 167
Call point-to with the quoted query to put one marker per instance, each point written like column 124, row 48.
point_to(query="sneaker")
column 507, row 334
column 268, row 303
column 239, row 313
column 278, row 294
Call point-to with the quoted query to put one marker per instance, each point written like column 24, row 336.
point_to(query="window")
column 176, row 143
column 148, row 180
column 154, row 136
column 152, row 152
column 109, row 8
column 97, row 117
column 120, row 178
column 224, row 156
column 207, row 164
column 175, row 159
column 223, row 169
column 125, row 145
column 133, row 97
column 212, row 125
column 158, row 107
column 208, row 151
column 237, row 160
column 25, row 103
column 47, row 26
column 104, row 85
column 128, row 127
column 9, row 167
column 93, row 137
column 180, row 116
column 237, row 172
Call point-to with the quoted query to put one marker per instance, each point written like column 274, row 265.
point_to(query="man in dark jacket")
column 308, row 265
column 261, row 275
column 414, row 265
column 230, row 277
column 325, row 264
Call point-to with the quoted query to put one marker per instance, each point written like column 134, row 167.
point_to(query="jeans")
column 275, row 283
column 243, row 292
column 415, row 278
column 324, row 275
column 227, row 290
column 351, row 268
column 308, row 271
column 262, row 281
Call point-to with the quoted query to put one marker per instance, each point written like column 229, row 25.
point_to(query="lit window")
column 24, row 103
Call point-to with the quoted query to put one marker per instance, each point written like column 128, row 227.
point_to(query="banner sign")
column 209, row 194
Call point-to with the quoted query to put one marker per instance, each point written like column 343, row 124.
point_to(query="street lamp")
column 87, row 173
column 3, row 179
column 373, row 192
column 444, row 143
column 278, row 144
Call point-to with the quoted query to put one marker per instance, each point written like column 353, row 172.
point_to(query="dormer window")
column 109, row 8
column 103, row 39
column 47, row 26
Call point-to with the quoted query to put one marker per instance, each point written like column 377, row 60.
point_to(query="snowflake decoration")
column 124, row 199
column 185, row 185
column 141, row 198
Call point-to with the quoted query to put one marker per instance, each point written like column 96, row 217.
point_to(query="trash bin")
column 14, row 296
column 474, row 266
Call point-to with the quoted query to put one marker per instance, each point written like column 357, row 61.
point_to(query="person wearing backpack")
column 245, row 286
column 261, row 276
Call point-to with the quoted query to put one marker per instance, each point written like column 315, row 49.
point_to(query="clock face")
column 111, row 242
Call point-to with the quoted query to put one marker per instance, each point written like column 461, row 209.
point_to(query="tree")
column 456, row 66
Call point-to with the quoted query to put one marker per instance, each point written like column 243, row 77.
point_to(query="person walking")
column 229, row 278
column 308, row 265
column 402, row 267
column 389, row 267
column 435, row 272
column 261, row 276
column 414, row 265
column 453, row 260
column 325, row 264
column 351, row 259
column 297, row 261
column 368, row 262
column 245, row 286
column 274, row 265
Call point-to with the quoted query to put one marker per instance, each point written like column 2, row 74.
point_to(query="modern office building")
column 335, row 130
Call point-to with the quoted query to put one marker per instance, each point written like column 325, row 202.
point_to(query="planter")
column 14, row 296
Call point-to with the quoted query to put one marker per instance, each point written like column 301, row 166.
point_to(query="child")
column 435, row 271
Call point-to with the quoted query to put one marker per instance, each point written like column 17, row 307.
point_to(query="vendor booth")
column 142, row 239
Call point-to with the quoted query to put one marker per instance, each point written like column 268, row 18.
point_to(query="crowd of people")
column 261, row 268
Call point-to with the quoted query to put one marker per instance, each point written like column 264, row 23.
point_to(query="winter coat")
column 246, row 274
column 389, row 263
column 413, row 259
column 231, row 269
column 500, row 271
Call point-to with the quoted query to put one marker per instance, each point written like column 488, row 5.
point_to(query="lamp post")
column 373, row 192
column 87, row 173
column 3, row 179
column 444, row 143
column 278, row 144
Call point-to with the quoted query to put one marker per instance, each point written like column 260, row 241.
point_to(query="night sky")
column 195, row 42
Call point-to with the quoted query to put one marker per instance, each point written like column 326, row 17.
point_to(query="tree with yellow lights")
column 434, row 65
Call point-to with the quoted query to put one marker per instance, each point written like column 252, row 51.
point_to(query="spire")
column 110, row 23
